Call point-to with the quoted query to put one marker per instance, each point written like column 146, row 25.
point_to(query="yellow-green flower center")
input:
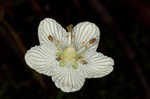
column 69, row 53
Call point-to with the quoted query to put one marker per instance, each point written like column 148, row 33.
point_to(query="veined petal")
column 49, row 27
column 84, row 33
column 98, row 65
column 42, row 58
column 68, row 79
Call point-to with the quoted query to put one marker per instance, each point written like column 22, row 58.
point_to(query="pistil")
column 69, row 53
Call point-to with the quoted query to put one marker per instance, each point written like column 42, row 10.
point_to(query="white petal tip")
column 68, row 80
column 111, row 61
column 48, row 20
column 67, row 89
column 27, row 58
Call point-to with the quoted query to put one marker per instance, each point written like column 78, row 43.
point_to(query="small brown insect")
column 69, row 28
column 92, row 40
column 58, row 58
column 50, row 38
column 84, row 62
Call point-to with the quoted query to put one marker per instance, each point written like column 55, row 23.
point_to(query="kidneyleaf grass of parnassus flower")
column 68, row 57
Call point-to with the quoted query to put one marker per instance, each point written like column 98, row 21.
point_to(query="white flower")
column 68, row 57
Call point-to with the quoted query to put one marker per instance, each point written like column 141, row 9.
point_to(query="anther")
column 73, row 36
column 69, row 28
column 80, row 57
column 92, row 40
column 50, row 38
column 84, row 62
column 86, row 46
column 58, row 58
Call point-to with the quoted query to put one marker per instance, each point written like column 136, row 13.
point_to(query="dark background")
column 125, row 31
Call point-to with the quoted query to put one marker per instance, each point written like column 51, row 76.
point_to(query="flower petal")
column 49, row 27
column 98, row 65
column 84, row 33
column 68, row 79
column 42, row 58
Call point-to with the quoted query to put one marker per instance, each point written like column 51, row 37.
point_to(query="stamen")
column 69, row 36
column 58, row 58
column 82, row 50
column 58, row 49
column 69, row 28
column 86, row 46
column 50, row 38
column 92, row 40
column 84, row 62
column 56, row 42
column 80, row 57
column 73, row 36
